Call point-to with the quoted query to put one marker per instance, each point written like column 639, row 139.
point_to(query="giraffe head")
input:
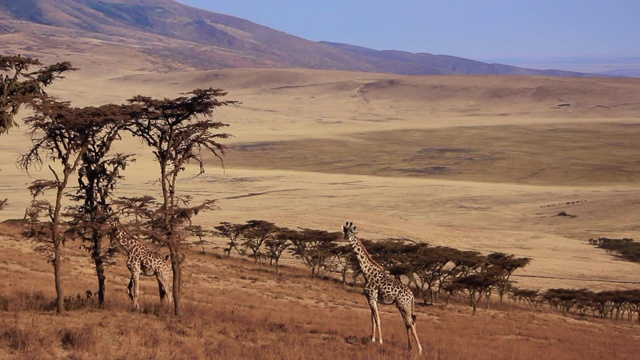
column 348, row 229
column 117, row 232
column 113, row 224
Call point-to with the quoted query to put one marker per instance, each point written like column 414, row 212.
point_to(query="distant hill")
column 180, row 36
column 400, row 62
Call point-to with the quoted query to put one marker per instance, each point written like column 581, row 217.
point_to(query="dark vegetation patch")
column 258, row 146
column 626, row 248
column 428, row 170
column 564, row 214
column 541, row 154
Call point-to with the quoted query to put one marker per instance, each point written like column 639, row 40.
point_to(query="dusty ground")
column 482, row 163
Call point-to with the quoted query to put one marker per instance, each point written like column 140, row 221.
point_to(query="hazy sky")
column 483, row 30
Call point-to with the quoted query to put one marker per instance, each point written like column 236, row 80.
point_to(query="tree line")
column 430, row 271
column 436, row 273
column 609, row 304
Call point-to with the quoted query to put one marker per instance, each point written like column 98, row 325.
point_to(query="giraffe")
column 143, row 261
column 380, row 287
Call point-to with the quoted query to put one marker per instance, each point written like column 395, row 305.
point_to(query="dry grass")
column 234, row 309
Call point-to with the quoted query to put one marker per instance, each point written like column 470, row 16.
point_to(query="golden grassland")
column 236, row 309
column 475, row 163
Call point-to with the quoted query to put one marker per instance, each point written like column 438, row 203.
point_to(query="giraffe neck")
column 126, row 241
column 368, row 266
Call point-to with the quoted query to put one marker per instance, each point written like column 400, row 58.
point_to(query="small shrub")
column 26, row 301
column 351, row 340
column 156, row 309
column 277, row 327
column 17, row 339
column 4, row 303
column 83, row 338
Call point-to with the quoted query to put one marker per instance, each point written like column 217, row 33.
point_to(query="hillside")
column 173, row 36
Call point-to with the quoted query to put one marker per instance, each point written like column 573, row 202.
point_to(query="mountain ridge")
column 184, row 36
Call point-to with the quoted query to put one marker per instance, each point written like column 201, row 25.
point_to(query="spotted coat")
column 382, row 288
column 143, row 261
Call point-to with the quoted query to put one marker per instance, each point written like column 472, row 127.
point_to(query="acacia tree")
column 461, row 264
column 232, row 232
column 529, row 296
column 63, row 135
column 90, row 219
column 427, row 264
column 504, row 266
column 19, row 85
column 475, row 286
column 344, row 260
column 199, row 232
column 98, row 175
column 277, row 244
column 177, row 131
column 256, row 233
column 315, row 248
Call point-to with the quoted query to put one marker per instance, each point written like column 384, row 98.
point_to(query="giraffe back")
column 141, row 256
column 378, row 283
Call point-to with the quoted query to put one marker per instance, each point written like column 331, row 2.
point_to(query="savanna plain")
column 472, row 162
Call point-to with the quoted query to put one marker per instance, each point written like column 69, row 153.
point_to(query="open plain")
column 473, row 162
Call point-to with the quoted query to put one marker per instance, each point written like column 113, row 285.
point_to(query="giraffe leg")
column 132, row 289
column 163, row 287
column 379, row 327
column 410, row 324
column 373, row 326
column 415, row 336
column 129, row 288
column 375, row 320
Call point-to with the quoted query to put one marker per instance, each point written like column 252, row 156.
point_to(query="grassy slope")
column 235, row 309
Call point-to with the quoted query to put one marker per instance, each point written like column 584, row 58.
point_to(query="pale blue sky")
column 486, row 30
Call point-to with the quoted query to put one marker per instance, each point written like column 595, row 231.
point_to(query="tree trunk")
column 177, row 274
column 55, row 226
column 58, row 279
column 57, row 242
column 102, row 279
column 99, row 263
